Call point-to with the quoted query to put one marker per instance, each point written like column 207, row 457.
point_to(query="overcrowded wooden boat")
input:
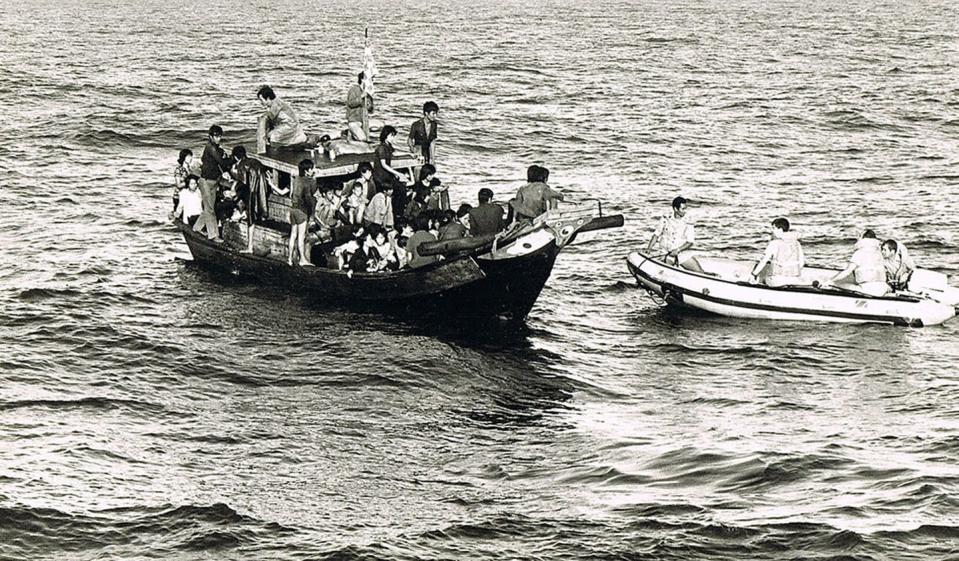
column 726, row 290
column 490, row 276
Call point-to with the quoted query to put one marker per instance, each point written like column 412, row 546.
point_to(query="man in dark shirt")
column 487, row 218
column 214, row 164
column 422, row 137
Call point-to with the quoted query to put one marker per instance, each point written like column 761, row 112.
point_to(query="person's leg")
column 356, row 130
column 301, row 244
column 692, row 264
column 292, row 244
column 207, row 219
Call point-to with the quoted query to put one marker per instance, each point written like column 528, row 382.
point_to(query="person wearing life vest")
column 783, row 261
column 865, row 267
column 899, row 266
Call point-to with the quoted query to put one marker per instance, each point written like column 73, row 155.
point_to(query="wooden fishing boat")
column 726, row 290
column 493, row 276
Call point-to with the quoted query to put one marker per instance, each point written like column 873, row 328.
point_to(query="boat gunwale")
column 786, row 288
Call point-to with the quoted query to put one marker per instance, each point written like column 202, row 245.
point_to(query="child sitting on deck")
column 355, row 204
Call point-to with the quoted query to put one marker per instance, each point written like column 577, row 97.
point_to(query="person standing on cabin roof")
column 284, row 127
column 383, row 173
column 487, row 218
column 215, row 165
column 674, row 236
column 357, row 110
column 865, row 266
column 422, row 137
column 784, row 256
column 302, row 206
column 536, row 197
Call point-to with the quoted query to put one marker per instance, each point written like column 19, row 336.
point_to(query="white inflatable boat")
column 726, row 290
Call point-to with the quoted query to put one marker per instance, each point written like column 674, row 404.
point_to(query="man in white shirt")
column 674, row 236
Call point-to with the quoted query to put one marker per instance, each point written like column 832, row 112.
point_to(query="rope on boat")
column 656, row 298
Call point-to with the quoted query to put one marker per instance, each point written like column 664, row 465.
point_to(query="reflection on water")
column 153, row 409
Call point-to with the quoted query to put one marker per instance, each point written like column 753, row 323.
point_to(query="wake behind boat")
column 725, row 289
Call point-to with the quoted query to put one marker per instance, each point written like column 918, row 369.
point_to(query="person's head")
column 869, row 234
column 430, row 109
column 543, row 174
column 216, row 134
column 463, row 210
column 889, row 248
column 358, row 190
column 421, row 222
column 266, row 95
column 360, row 77
column 192, row 182
column 532, row 173
column 366, row 170
column 387, row 188
column 780, row 226
column 679, row 207
column 387, row 134
column 379, row 237
column 427, row 172
column 447, row 216
column 239, row 153
column 485, row 195
column 306, row 167
column 185, row 157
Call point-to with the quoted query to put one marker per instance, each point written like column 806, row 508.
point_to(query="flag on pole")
column 369, row 65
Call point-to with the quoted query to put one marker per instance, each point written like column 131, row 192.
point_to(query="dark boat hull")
column 468, row 287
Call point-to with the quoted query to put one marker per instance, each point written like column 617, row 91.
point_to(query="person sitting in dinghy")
column 865, row 266
column 783, row 261
column 899, row 266
column 674, row 236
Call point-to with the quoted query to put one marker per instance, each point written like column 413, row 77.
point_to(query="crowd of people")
column 375, row 221
column 875, row 267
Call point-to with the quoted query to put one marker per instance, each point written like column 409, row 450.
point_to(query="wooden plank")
column 289, row 161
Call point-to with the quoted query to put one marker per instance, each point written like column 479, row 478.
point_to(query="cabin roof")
column 288, row 161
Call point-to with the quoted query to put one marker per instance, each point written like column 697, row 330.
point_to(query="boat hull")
column 739, row 299
column 495, row 286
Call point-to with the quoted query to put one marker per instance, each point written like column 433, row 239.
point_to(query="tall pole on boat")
column 369, row 65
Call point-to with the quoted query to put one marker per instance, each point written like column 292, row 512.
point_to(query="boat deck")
column 288, row 160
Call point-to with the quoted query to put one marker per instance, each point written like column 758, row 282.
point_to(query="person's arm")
column 356, row 97
column 411, row 138
column 389, row 169
column 850, row 269
column 178, row 211
column 767, row 256
column 657, row 234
